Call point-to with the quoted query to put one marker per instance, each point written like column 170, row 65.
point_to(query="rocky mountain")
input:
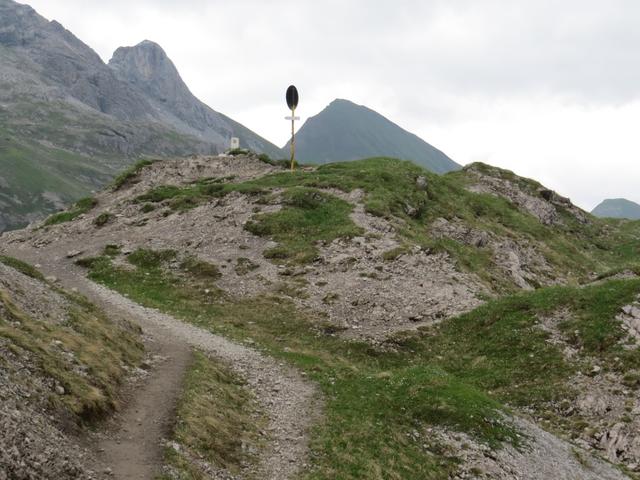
column 425, row 326
column 345, row 131
column 617, row 208
column 69, row 122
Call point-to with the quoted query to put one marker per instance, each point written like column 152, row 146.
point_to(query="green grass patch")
column 102, row 348
column 200, row 268
column 80, row 207
column 145, row 258
column 218, row 420
column 501, row 348
column 185, row 198
column 309, row 216
column 131, row 174
column 22, row 267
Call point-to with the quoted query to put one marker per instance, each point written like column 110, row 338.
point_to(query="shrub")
column 102, row 219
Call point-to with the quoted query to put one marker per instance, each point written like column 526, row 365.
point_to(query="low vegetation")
column 309, row 216
column 22, row 267
column 573, row 249
column 86, row 355
column 102, row 219
column 459, row 375
column 218, row 421
column 79, row 208
column 130, row 174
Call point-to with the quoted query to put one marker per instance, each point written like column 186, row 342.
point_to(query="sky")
column 548, row 89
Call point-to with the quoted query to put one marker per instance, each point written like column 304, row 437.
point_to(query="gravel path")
column 289, row 401
column 132, row 446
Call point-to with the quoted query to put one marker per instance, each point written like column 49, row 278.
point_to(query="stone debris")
column 542, row 456
column 33, row 443
column 541, row 203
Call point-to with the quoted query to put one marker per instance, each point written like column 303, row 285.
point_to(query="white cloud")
column 549, row 89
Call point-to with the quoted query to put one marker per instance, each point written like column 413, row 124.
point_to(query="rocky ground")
column 608, row 402
column 36, row 442
column 344, row 283
column 541, row 457
column 353, row 284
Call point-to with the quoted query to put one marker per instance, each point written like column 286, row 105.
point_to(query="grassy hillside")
column 458, row 375
column 570, row 249
column 394, row 402
column 37, row 180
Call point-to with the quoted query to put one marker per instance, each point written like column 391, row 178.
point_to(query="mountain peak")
column 145, row 62
column 346, row 131
column 618, row 208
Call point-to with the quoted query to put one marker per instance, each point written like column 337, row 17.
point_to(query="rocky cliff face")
column 147, row 67
column 57, row 59
column 71, row 121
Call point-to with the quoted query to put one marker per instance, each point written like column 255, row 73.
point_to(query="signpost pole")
column 293, row 139
column 292, row 103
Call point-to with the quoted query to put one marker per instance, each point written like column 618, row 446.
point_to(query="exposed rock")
column 544, row 204
column 525, row 267
column 630, row 318
column 108, row 114
column 542, row 457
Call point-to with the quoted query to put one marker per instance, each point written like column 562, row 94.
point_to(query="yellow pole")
column 293, row 140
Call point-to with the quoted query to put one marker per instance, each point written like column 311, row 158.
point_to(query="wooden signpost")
column 292, row 103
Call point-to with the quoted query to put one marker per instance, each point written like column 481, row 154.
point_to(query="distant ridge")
column 344, row 131
column 618, row 208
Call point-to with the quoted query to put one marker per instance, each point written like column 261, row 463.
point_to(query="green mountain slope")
column 617, row 208
column 345, row 131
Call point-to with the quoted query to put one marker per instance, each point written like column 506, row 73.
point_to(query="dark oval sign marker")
column 292, row 97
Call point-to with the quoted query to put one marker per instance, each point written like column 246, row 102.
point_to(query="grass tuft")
column 218, row 420
column 102, row 219
column 22, row 267
column 309, row 216
column 130, row 175
column 80, row 207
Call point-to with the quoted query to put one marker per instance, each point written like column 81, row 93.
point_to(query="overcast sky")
column 548, row 89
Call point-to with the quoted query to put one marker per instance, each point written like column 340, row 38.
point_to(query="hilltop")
column 474, row 324
column 346, row 131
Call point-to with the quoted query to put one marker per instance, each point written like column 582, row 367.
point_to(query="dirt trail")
column 131, row 448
